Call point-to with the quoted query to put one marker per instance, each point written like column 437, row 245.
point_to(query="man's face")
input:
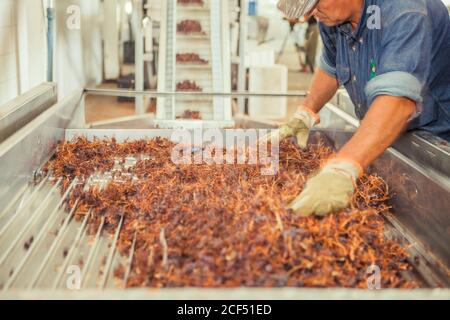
column 332, row 12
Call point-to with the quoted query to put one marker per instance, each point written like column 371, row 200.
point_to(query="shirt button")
column 361, row 40
column 354, row 78
column 354, row 48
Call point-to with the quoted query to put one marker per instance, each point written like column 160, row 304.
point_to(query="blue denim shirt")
column 406, row 55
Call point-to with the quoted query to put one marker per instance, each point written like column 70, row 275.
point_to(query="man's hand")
column 297, row 128
column 385, row 121
column 300, row 126
column 330, row 190
column 323, row 88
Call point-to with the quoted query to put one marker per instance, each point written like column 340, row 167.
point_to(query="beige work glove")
column 330, row 190
column 300, row 127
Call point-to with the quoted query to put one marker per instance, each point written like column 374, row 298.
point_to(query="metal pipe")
column 76, row 243
column 15, row 200
column 139, row 54
column 130, row 260
column 108, row 264
column 50, row 36
column 30, row 222
column 51, row 219
column 55, row 244
column 24, row 202
column 343, row 115
column 242, row 72
column 92, row 252
column 155, row 94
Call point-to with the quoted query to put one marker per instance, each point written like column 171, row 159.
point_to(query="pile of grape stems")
column 227, row 225
column 189, row 114
column 192, row 58
column 191, row 2
column 188, row 86
column 190, row 27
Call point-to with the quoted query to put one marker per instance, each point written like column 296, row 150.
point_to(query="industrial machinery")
column 40, row 241
column 200, row 32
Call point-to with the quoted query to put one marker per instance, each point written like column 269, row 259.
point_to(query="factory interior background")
column 94, row 50
column 91, row 53
column 99, row 46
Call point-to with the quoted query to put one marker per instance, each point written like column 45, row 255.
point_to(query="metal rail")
column 23, row 109
column 16, row 198
column 130, row 261
column 51, row 218
column 23, row 204
column 76, row 243
column 55, row 244
column 154, row 94
column 92, row 252
column 44, row 269
column 109, row 262
column 29, row 223
column 98, row 247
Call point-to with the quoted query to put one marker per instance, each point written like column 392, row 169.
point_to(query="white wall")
column 277, row 27
column 111, row 43
column 31, row 43
column 78, row 53
column 8, row 57
column 23, row 47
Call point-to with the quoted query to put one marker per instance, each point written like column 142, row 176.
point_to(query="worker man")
column 393, row 57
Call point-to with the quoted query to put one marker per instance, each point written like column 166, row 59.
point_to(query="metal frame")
column 139, row 53
column 420, row 215
column 150, row 121
column 216, row 74
column 430, row 151
column 243, row 35
column 231, row 294
column 36, row 140
column 20, row 111
column 165, row 94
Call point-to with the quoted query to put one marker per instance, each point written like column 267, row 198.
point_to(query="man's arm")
column 403, row 70
column 386, row 119
column 322, row 89
column 331, row 189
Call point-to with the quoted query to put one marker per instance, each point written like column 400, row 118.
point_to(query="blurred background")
column 79, row 43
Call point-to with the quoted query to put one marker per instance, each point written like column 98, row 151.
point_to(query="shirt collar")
column 346, row 28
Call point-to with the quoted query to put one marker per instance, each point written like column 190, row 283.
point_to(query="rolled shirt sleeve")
column 327, row 67
column 395, row 83
column 404, row 60
column 328, row 59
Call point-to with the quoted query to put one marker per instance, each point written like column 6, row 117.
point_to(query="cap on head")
column 294, row 9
